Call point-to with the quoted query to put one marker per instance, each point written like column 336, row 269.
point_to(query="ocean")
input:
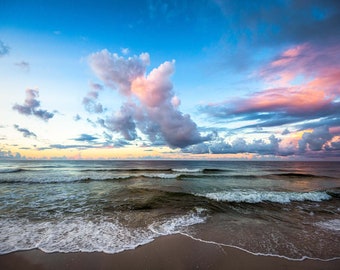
column 285, row 209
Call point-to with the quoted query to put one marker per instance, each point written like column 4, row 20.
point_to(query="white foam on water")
column 70, row 235
column 253, row 196
column 185, row 170
column 78, row 234
column 177, row 224
column 333, row 224
column 162, row 175
column 260, row 253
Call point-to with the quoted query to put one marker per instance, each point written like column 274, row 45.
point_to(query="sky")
column 156, row 79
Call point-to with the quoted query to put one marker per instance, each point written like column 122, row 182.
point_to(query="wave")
column 124, row 170
column 253, row 196
column 80, row 235
column 185, row 170
column 296, row 175
column 11, row 170
column 60, row 180
column 66, row 179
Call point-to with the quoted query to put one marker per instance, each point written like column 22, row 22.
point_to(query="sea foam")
column 78, row 234
column 333, row 224
column 253, row 196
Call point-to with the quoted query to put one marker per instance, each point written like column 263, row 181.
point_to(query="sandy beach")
column 168, row 252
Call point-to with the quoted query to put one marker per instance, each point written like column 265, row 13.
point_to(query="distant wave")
column 185, row 170
column 11, row 170
column 123, row 170
column 296, row 175
column 253, row 196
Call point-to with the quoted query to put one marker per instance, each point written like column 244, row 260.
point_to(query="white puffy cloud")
column 152, row 106
column 117, row 71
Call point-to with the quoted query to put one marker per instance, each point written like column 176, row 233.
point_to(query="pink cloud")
column 292, row 100
column 152, row 106
column 116, row 71
column 156, row 88
column 320, row 70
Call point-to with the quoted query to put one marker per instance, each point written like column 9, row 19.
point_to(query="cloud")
column 25, row 66
column 31, row 106
column 151, row 106
column 316, row 140
column 125, row 51
column 285, row 132
column 90, row 100
column 25, row 132
column 4, row 49
column 85, row 138
column 239, row 145
column 9, row 155
column 77, row 117
column 270, row 25
column 292, row 101
column 68, row 146
column 334, row 146
column 123, row 122
column 118, row 72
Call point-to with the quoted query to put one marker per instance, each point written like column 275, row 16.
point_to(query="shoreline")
column 166, row 252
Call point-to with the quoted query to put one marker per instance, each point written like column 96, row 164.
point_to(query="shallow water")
column 289, row 209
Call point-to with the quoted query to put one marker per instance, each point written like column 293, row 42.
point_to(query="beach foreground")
column 167, row 252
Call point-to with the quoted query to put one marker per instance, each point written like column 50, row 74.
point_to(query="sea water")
column 286, row 209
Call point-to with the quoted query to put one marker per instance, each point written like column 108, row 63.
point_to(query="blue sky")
column 170, row 79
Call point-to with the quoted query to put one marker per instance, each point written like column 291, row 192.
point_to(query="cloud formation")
column 85, row 138
column 274, row 24
column 25, row 66
column 31, row 106
column 315, row 140
column 4, row 49
column 90, row 100
column 239, row 145
column 118, row 72
column 25, row 132
column 151, row 106
column 291, row 102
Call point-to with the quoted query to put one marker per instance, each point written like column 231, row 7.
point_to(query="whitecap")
column 253, row 196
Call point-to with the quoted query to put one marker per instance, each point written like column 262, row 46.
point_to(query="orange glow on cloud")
column 318, row 90
column 289, row 56
column 290, row 99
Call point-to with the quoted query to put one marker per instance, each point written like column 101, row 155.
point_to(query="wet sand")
column 168, row 252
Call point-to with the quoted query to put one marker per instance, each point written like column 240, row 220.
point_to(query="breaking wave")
column 253, row 196
column 79, row 234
